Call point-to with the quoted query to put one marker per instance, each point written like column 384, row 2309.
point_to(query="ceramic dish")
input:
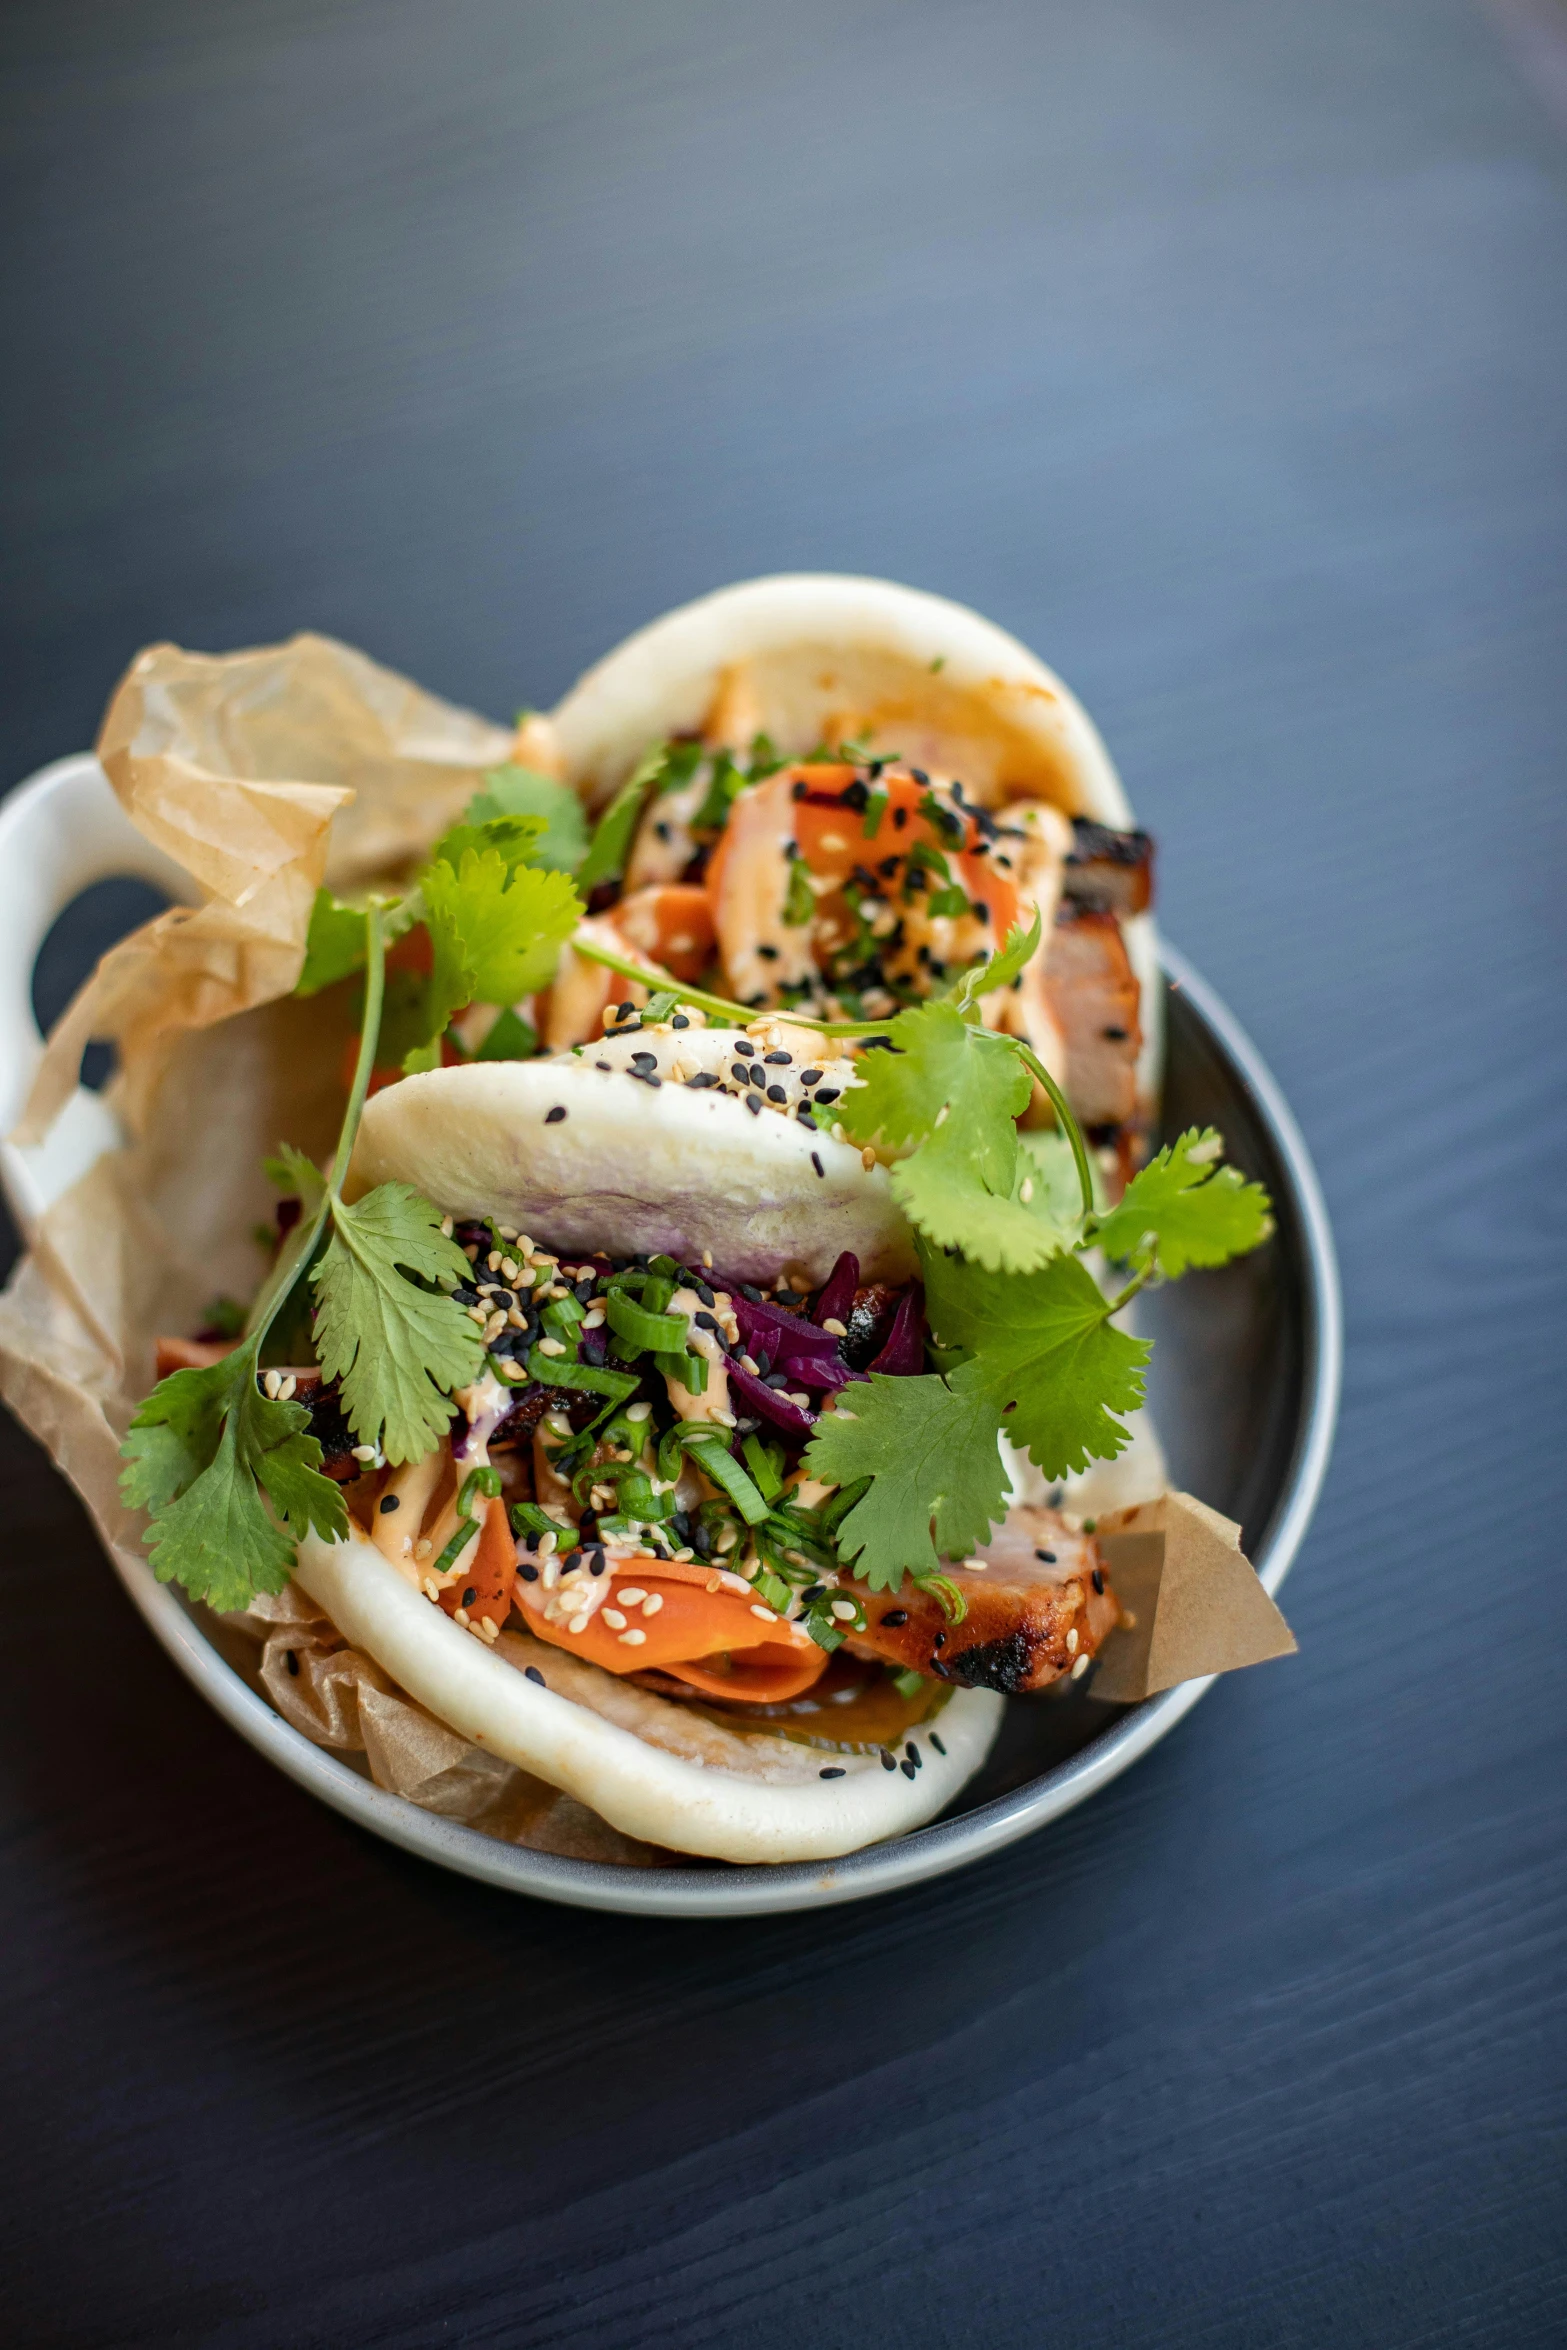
column 1244, row 1391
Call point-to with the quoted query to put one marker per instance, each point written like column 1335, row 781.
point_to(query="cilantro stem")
column 1069, row 1124
column 302, row 1240
column 369, row 1038
column 719, row 1007
column 1137, row 1282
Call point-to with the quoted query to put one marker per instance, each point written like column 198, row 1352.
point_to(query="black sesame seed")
column 896, row 1616
column 740, row 1073
column 753, row 1102
column 828, row 1093
column 889, row 1762
column 554, row 1117
column 532, row 1673
column 768, row 954
column 798, row 793
column 528, row 1573
column 1098, row 1580
column 833, row 1771
column 704, row 1293
column 936, row 1742
column 469, row 1596
column 624, row 1011
column 704, row 1321
column 645, row 1077
column 778, row 1060
column 776, row 1379
column 644, row 1060
column 913, row 1753
column 752, row 1296
column 695, row 1084
column 604, row 1065
column 776, row 1093
column 811, row 1076
column 390, row 1502
column 1113, row 1035
column 817, row 1164
column 908, row 1769
column 597, row 1563
column 292, row 1662
column 900, row 817
column 1048, row 1556
column 745, row 1048
column 680, row 1020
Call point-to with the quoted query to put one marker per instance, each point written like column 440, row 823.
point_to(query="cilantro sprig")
column 230, row 1476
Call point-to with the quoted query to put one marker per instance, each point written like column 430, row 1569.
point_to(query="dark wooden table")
column 1220, row 351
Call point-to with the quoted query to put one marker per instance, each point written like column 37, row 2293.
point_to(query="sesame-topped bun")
column 807, row 657
column 592, row 1153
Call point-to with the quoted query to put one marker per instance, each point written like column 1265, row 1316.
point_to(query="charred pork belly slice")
column 1110, row 872
column 1041, row 1603
column 1093, row 997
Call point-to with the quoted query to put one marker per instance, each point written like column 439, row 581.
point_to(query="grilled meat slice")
column 1092, row 993
column 1110, row 872
column 1041, row 1601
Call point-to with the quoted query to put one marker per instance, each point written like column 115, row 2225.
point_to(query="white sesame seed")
column 446, row 1227
column 551, row 1346
column 364, row 1452
column 632, row 1639
column 1071, row 1641
column 838, row 1329
column 1025, row 1190
column 578, row 1624
column 748, row 1363
column 509, row 1269
column 547, row 1544
column 707, row 1258
column 1081, row 1667
column 766, row 1614
column 638, row 1412
column 632, row 1594
column 460, row 1616
column 269, row 1381
column 868, row 1156
column 423, row 1547
column 653, row 1602
column 614, row 1618
column 845, row 1610
column 493, row 1260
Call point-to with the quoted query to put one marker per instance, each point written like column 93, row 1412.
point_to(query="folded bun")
column 593, row 1159
column 807, row 657
column 650, row 1766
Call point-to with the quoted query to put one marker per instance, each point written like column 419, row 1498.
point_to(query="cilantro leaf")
column 983, row 978
column 516, row 838
column 1186, row 1209
column 397, row 1349
column 522, row 791
column 1043, row 1352
column 496, row 933
column 199, row 1452
column 940, row 1192
column 334, row 945
column 610, row 848
column 296, row 1176
column 937, row 1485
column 956, row 1090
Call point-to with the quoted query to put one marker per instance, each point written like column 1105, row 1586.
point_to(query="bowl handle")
column 60, row 832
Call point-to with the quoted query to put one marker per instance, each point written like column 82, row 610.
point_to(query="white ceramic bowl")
column 1248, row 1421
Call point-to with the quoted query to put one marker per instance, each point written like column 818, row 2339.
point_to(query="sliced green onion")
column 713, row 1457
column 526, row 1517
column 557, row 1371
column 650, row 1333
column 763, row 1465
column 466, row 1533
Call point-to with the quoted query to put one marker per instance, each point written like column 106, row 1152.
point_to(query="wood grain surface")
column 1218, row 350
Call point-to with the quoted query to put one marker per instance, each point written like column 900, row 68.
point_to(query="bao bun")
column 633, row 1171
column 651, row 1768
column 812, row 657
